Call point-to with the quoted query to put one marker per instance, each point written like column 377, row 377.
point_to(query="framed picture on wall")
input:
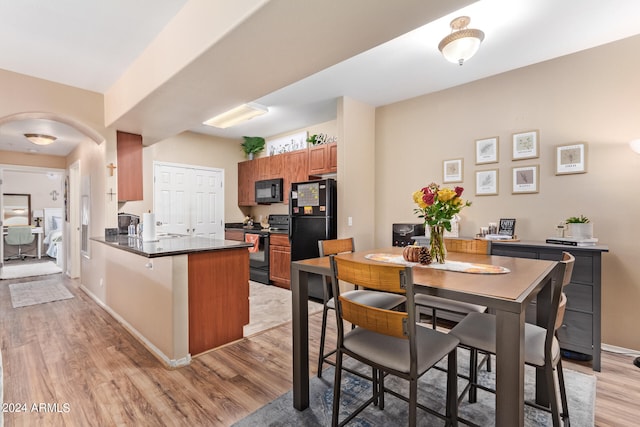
column 487, row 182
column 452, row 170
column 571, row 158
column 525, row 179
column 487, row 150
column 525, row 145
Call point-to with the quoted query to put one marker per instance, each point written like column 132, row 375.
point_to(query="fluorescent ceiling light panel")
column 237, row 115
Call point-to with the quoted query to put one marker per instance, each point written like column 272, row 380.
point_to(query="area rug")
column 270, row 306
column 29, row 270
column 39, row 292
column 581, row 390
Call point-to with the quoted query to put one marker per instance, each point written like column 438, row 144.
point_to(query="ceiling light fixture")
column 635, row 145
column 237, row 115
column 462, row 43
column 40, row 139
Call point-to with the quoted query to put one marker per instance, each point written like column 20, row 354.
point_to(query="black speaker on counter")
column 403, row 233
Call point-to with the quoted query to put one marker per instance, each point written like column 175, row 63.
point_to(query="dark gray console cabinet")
column 581, row 330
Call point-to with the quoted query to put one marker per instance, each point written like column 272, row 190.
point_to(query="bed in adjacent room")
column 53, row 233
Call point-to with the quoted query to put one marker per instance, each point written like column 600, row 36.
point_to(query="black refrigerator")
column 313, row 217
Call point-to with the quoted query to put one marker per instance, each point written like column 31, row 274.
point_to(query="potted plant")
column 579, row 227
column 313, row 139
column 252, row 145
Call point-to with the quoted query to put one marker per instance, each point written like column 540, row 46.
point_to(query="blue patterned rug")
column 581, row 391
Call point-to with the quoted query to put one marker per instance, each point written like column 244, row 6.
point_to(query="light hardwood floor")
column 73, row 354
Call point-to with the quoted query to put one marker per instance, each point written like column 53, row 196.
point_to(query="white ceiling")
column 90, row 45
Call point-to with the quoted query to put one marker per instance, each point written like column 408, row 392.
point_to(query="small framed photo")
column 571, row 158
column 525, row 145
column 487, row 182
column 507, row 227
column 452, row 170
column 525, row 179
column 487, row 150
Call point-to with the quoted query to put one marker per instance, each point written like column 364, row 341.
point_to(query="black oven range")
column 259, row 253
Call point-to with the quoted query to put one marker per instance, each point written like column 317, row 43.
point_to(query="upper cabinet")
column 296, row 169
column 294, row 166
column 129, row 148
column 247, row 172
column 323, row 159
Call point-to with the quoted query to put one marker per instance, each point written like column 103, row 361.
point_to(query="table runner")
column 462, row 267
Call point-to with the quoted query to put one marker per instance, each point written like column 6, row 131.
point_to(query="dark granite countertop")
column 169, row 245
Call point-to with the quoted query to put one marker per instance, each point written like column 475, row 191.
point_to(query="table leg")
column 509, row 368
column 300, row 312
column 39, row 245
column 543, row 307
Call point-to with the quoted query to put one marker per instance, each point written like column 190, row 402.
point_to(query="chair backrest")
column 568, row 260
column 468, row 246
column 335, row 246
column 388, row 278
column 19, row 235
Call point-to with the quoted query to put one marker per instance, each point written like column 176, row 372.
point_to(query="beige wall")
column 591, row 96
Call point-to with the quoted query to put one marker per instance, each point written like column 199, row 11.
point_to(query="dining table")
column 507, row 292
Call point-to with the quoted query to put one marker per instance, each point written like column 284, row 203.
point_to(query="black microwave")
column 269, row 191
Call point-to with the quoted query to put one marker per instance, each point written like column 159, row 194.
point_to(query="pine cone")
column 424, row 257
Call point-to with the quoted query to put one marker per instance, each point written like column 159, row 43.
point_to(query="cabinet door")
column 280, row 266
column 262, row 168
column 318, row 159
column 333, row 157
column 246, row 183
column 296, row 170
column 129, row 153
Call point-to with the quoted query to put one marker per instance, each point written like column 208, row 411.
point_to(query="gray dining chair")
column 478, row 332
column 388, row 341
column 19, row 236
column 372, row 298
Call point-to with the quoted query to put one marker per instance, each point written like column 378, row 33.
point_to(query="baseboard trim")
column 169, row 363
column 619, row 350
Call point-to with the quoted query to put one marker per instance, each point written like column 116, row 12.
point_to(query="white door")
column 208, row 200
column 189, row 200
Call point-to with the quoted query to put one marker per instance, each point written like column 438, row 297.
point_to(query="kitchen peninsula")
column 179, row 295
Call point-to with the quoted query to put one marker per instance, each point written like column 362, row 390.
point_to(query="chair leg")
column 563, row 395
column 452, row 388
column 553, row 396
column 381, row 389
column 336, row 389
column 413, row 402
column 473, row 375
column 323, row 333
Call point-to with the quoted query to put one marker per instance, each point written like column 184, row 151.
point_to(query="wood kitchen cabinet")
column 296, row 169
column 323, row 159
column 291, row 167
column 129, row 154
column 280, row 260
column 218, row 297
column 246, row 183
column 581, row 329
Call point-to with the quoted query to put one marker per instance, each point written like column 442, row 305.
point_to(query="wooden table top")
column 524, row 273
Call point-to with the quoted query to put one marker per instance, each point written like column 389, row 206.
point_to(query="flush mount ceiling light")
column 40, row 139
column 635, row 145
column 462, row 43
column 237, row 115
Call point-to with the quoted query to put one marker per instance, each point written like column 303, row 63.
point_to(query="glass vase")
column 437, row 248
